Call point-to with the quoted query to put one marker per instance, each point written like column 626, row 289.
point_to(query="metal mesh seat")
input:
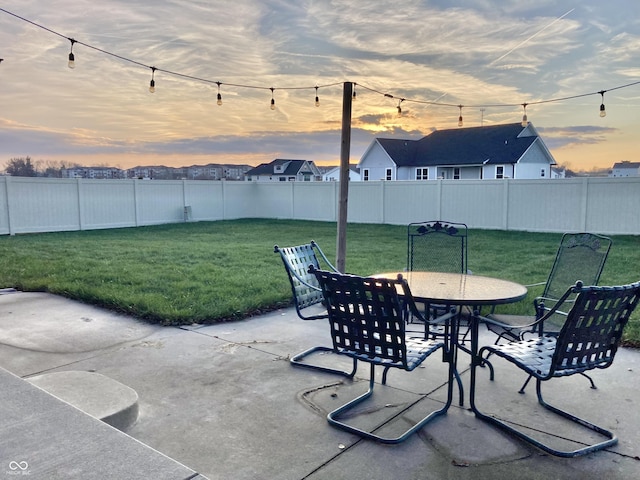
column 588, row 339
column 307, row 293
column 437, row 246
column 367, row 323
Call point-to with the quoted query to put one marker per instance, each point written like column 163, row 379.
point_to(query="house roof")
column 293, row 168
column 498, row 144
column 626, row 164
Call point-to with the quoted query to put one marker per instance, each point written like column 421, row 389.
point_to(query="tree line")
column 25, row 167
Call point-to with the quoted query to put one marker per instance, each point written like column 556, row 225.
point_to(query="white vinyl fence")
column 600, row 205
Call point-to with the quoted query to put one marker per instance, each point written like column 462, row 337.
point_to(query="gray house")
column 499, row 151
column 281, row 170
column 625, row 168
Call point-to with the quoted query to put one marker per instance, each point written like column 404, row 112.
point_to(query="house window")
column 282, row 179
column 307, row 178
column 388, row 174
column 456, row 173
column 542, row 172
column 365, row 175
column 422, row 174
column 499, row 171
column 292, row 179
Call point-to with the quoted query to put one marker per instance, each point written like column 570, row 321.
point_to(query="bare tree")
column 20, row 167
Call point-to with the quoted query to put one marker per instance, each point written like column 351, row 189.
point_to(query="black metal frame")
column 306, row 293
column 367, row 323
column 589, row 339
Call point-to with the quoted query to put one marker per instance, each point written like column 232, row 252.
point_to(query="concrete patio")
column 223, row 402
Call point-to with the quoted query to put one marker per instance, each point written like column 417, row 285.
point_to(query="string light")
column 219, row 102
column 399, row 107
column 152, row 83
column 72, row 58
column 525, row 121
column 603, row 112
column 71, row 64
column 317, row 99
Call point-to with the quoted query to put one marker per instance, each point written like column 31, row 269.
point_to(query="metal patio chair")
column 580, row 257
column 588, row 339
column 307, row 293
column 368, row 324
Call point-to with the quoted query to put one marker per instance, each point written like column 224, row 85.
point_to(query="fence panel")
column 599, row 205
column 106, row 204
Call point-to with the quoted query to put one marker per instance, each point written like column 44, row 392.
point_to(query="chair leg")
column 296, row 360
column 593, row 385
column 611, row 438
column 332, row 417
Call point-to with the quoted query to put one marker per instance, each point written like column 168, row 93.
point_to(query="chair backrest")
column 437, row 246
column 580, row 257
column 592, row 331
column 304, row 286
column 366, row 316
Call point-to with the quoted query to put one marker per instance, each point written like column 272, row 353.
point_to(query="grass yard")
column 216, row 271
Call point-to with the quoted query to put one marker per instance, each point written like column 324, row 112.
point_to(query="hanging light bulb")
column 152, row 83
column 219, row 102
column 353, row 97
column 317, row 99
column 460, row 117
column 72, row 58
column 603, row 112
column 399, row 107
column 273, row 100
column 525, row 122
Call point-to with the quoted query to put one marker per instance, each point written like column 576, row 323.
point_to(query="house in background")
column 281, row 170
column 332, row 174
column 498, row 151
column 625, row 169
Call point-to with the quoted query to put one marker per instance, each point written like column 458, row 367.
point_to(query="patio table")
column 474, row 291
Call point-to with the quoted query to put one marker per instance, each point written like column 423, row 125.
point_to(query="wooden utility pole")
column 345, row 149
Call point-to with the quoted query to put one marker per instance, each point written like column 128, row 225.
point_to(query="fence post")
column 80, row 203
column 584, row 203
column 7, row 182
column 505, row 203
column 135, row 201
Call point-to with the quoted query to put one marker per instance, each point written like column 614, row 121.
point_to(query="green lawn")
column 216, row 271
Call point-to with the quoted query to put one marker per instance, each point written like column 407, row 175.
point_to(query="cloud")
column 571, row 136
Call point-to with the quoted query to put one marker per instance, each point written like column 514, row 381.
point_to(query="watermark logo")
column 18, row 468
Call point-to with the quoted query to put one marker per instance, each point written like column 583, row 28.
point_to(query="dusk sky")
column 490, row 56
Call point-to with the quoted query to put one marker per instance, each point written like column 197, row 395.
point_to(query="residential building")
column 332, row 174
column 488, row 152
column 625, row 169
column 282, row 170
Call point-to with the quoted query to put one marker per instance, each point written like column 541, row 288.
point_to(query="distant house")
column 500, row 151
column 333, row 174
column 625, row 169
column 281, row 170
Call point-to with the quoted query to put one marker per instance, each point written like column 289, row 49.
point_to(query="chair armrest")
column 548, row 311
column 324, row 257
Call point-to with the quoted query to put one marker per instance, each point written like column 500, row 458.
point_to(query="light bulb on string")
column 399, row 107
column 72, row 58
column 603, row 112
column 317, row 99
column 460, row 117
column 273, row 100
column 354, row 96
column 219, row 102
column 152, row 83
column 525, row 121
